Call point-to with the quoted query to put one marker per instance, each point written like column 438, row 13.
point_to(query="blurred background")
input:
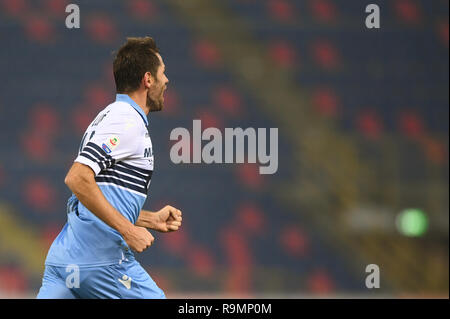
column 363, row 141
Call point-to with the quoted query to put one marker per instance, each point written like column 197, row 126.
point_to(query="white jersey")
column 118, row 148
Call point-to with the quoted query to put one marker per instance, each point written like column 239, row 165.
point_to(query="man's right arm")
column 81, row 181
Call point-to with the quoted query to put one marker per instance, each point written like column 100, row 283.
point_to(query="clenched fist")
column 138, row 238
column 167, row 219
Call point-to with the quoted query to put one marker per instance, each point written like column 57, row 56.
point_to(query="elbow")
column 69, row 181
column 79, row 178
column 74, row 181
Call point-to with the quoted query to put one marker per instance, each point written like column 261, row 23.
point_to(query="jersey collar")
column 125, row 98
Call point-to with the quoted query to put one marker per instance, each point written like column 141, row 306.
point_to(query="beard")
column 155, row 105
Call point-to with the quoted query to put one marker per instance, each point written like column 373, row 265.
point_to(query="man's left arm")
column 165, row 220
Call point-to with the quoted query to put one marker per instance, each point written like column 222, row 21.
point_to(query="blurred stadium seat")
column 363, row 120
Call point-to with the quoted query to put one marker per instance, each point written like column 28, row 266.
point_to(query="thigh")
column 98, row 283
column 54, row 286
column 127, row 280
column 140, row 285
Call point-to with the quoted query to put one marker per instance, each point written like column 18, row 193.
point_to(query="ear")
column 148, row 80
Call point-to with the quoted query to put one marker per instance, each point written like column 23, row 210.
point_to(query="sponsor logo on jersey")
column 148, row 152
column 106, row 148
column 111, row 143
column 99, row 118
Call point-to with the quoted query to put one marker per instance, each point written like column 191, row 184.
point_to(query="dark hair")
column 136, row 57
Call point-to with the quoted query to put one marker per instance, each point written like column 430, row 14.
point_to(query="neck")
column 140, row 97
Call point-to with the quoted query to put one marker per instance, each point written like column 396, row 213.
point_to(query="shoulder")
column 121, row 109
column 124, row 117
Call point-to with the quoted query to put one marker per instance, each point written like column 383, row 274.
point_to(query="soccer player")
column 92, row 257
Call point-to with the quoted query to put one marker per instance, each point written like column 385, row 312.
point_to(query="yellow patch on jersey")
column 129, row 124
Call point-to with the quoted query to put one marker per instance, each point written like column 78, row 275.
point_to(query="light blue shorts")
column 127, row 280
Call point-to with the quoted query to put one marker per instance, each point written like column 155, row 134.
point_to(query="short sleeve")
column 110, row 141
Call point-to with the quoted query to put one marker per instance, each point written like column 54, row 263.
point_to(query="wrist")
column 146, row 219
column 125, row 228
